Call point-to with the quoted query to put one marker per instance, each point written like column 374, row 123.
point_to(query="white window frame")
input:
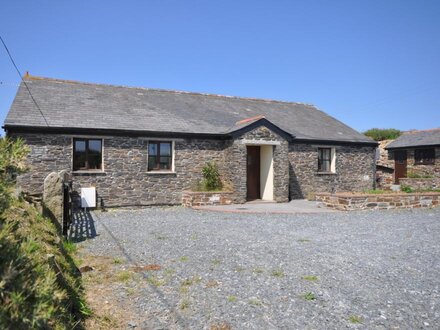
column 170, row 171
column 332, row 159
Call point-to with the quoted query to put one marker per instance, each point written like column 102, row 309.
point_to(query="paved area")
column 213, row 270
column 293, row 207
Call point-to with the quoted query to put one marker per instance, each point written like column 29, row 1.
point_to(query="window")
column 326, row 160
column 160, row 156
column 87, row 154
column 424, row 156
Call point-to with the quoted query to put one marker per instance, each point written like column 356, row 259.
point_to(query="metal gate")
column 67, row 208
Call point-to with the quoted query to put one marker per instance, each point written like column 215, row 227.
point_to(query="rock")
column 85, row 269
column 53, row 197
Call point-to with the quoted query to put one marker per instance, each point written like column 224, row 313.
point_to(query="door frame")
column 265, row 172
column 253, row 179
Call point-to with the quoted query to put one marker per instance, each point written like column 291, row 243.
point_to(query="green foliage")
column 211, row 177
column 13, row 153
column 380, row 134
column 415, row 175
column 309, row 296
column 40, row 286
column 406, row 189
column 39, row 283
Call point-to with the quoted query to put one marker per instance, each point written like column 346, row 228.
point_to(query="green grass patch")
column 355, row 319
column 124, row 276
column 278, row 273
column 232, row 298
column 183, row 258
column 309, row 296
column 311, row 278
column 117, row 261
column 255, row 302
column 184, row 304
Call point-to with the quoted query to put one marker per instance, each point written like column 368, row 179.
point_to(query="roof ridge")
column 163, row 90
column 421, row 130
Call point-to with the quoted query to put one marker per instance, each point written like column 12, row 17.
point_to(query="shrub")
column 406, row 189
column 380, row 134
column 211, row 177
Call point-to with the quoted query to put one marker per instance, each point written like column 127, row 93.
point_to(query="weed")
column 258, row 270
column 184, row 304
column 311, row 278
column 221, row 326
column 183, row 258
column 131, row 291
column 117, row 261
column 154, row 281
column 309, row 296
column 191, row 280
column 124, row 276
column 304, row 240
column 278, row 273
column 355, row 319
column 183, row 289
column 232, row 298
column 240, row 269
column 69, row 246
column 255, row 302
column 216, row 262
column 194, row 237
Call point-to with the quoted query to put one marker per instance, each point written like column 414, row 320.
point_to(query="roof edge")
column 413, row 147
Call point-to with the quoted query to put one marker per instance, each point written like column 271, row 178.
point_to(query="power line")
column 24, row 82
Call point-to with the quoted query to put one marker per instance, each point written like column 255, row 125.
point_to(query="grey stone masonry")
column 125, row 180
column 236, row 153
column 354, row 170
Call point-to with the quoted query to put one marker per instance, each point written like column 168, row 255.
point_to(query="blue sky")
column 367, row 63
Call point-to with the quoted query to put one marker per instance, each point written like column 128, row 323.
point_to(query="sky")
column 366, row 63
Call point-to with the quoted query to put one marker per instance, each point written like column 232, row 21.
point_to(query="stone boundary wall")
column 421, row 183
column 354, row 202
column 201, row 198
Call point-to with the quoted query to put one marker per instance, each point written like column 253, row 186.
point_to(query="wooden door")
column 253, row 172
column 399, row 165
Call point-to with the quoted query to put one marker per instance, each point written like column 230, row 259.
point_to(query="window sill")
column 160, row 172
column 326, row 173
column 85, row 172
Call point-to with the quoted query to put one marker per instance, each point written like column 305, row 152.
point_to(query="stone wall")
column 196, row 198
column 421, row 184
column 423, row 170
column 236, row 153
column 125, row 180
column 354, row 202
column 355, row 168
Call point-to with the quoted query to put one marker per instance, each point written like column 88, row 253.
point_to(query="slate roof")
column 416, row 139
column 70, row 104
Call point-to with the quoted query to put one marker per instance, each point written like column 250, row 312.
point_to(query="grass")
column 278, row 273
column 155, row 281
column 124, row 276
column 191, row 280
column 258, row 270
column 311, row 278
column 255, row 302
column 216, row 262
column 183, row 258
column 40, row 285
column 355, row 319
column 304, row 240
column 309, row 296
column 184, row 304
column 69, row 246
column 117, row 261
column 232, row 298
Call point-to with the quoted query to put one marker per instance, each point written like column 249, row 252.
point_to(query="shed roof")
column 71, row 104
column 411, row 139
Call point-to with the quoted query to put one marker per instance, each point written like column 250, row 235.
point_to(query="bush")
column 380, row 134
column 406, row 189
column 211, row 177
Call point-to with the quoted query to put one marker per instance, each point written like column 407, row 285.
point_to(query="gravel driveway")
column 375, row 270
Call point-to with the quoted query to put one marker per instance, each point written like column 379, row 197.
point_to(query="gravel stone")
column 246, row 271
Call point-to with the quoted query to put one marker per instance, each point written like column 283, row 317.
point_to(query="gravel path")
column 375, row 270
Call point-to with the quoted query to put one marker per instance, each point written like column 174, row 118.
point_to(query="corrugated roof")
column 69, row 104
column 416, row 139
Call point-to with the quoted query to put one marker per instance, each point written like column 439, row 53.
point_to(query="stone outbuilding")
column 416, row 154
column 140, row 146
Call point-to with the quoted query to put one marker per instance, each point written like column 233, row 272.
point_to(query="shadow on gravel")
column 82, row 227
column 176, row 314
